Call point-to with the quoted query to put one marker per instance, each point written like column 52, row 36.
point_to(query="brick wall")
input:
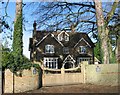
column 62, row 79
column 28, row 81
column 102, row 74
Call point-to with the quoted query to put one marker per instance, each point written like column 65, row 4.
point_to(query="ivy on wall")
column 20, row 62
column 17, row 37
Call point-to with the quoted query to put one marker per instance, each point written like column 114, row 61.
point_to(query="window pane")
column 82, row 49
column 83, row 59
column 50, row 63
column 66, row 38
column 49, row 49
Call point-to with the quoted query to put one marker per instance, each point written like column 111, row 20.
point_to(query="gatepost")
column 62, row 74
column 84, row 64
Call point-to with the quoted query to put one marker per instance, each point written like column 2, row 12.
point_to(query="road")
column 80, row 88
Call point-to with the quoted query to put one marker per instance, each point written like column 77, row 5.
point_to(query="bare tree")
column 103, row 29
column 115, row 28
column 5, row 27
column 78, row 16
column 3, row 22
column 65, row 15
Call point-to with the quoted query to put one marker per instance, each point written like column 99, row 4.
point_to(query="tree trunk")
column 72, row 28
column 102, row 32
column 18, row 8
column 118, row 50
column 109, row 46
column 107, row 20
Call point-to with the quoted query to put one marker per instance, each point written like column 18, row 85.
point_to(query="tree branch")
column 110, row 14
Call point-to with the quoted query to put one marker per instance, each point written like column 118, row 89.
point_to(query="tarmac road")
column 80, row 88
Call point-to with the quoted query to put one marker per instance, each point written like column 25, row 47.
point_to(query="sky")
column 26, row 33
column 59, row 0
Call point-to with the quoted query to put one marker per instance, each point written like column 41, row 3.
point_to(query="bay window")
column 51, row 62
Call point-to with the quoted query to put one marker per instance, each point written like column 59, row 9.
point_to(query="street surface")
column 80, row 88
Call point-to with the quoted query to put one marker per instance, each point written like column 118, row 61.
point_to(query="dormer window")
column 60, row 38
column 66, row 38
column 82, row 49
column 63, row 36
column 49, row 48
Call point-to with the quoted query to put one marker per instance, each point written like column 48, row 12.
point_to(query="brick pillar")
column 62, row 71
column 83, row 70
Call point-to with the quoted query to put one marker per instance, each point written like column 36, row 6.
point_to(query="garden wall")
column 62, row 79
column 28, row 81
column 102, row 74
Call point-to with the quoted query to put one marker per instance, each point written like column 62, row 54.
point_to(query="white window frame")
column 80, row 59
column 51, row 62
column 81, row 49
column 49, row 48
column 66, row 38
column 61, row 37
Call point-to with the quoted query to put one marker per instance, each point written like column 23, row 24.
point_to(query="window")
column 63, row 36
column 60, row 38
column 82, row 49
column 66, row 50
column 66, row 38
column 51, row 63
column 83, row 59
column 49, row 49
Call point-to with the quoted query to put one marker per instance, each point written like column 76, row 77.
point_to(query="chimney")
column 34, row 41
column 34, row 25
column 34, row 28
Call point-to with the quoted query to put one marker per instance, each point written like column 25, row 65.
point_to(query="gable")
column 63, row 36
column 82, row 40
column 50, row 39
column 63, row 32
column 69, row 58
column 74, row 38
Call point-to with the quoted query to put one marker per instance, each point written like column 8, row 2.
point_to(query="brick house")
column 59, row 49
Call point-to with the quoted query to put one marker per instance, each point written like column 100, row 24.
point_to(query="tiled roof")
column 74, row 37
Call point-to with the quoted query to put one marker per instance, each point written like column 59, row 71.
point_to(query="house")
column 60, row 49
